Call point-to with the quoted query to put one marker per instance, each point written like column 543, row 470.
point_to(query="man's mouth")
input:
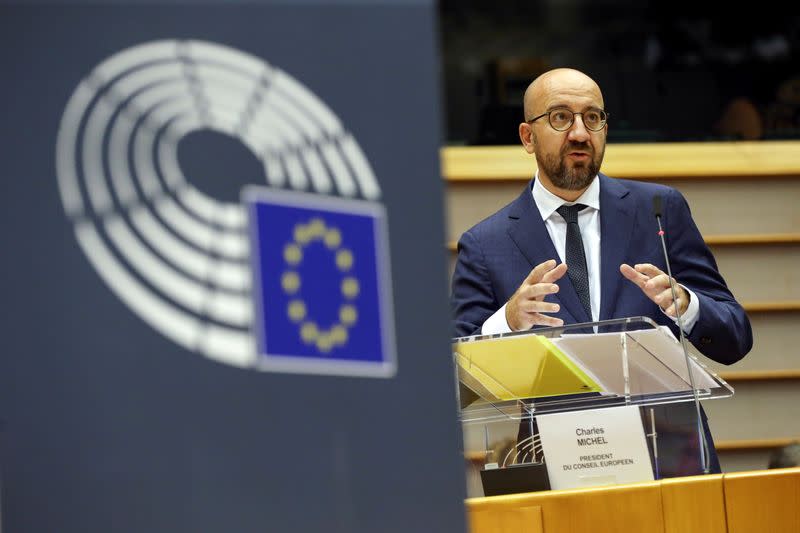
column 578, row 156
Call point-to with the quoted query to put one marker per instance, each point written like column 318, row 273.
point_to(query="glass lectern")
column 505, row 381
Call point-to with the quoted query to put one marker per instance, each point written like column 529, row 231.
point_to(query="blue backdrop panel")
column 120, row 416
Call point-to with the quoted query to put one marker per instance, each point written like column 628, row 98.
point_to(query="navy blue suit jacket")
column 497, row 254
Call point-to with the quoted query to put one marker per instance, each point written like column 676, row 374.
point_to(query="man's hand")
column 655, row 285
column 526, row 306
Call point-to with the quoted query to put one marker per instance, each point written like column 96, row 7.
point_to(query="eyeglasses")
column 561, row 119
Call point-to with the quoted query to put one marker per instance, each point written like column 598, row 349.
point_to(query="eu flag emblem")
column 321, row 284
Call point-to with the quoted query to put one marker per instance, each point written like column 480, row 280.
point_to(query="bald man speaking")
column 579, row 246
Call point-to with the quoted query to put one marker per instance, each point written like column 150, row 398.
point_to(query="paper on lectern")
column 516, row 367
column 655, row 360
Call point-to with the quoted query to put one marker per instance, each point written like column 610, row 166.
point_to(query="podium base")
column 515, row 479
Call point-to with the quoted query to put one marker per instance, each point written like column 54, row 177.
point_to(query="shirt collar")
column 548, row 202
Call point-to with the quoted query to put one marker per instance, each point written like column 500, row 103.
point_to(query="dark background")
column 669, row 71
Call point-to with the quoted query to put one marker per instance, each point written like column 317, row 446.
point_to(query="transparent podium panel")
column 505, row 381
column 631, row 361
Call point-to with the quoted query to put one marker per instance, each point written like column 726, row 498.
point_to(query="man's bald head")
column 553, row 83
column 569, row 155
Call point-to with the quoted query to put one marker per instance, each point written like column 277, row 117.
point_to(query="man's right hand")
column 526, row 307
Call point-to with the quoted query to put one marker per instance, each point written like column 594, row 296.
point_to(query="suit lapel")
column 617, row 217
column 529, row 233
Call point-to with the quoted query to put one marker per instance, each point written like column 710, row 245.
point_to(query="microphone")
column 704, row 453
column 657, row 209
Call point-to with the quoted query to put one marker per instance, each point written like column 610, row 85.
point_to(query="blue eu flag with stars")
column 321, row 283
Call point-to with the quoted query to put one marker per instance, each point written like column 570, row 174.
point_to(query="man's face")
column 569, row 159
column 569, row 164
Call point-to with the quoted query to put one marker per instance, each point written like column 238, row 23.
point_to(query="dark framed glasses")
column 561, row 119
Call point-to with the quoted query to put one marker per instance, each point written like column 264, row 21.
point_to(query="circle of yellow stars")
column 297, row 310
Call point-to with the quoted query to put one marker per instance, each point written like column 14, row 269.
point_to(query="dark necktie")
column 575, row 256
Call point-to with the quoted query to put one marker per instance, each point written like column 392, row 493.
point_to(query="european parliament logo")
column 321, row 284
column 176, row 256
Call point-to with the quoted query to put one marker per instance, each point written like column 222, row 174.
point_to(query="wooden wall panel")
column 647, row 161
column 757, row 410
column 763, row 501
column 725, row 207
column 776, row 343
column 507, row 519
column 634, row 508
column 749, row 502
column 719, row 207
column 761, row 273
column 694, row 505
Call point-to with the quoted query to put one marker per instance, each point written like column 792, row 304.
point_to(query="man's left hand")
column 655, row 285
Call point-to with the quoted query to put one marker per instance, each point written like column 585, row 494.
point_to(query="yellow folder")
column 520, row 366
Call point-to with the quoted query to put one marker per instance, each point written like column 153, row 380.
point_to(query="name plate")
column 596, row 447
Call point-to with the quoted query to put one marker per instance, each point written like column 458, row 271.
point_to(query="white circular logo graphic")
column 172, row 254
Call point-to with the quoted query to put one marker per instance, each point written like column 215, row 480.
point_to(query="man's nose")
column 578, row 131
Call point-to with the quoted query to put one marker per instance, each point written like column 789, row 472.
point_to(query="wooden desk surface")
column 747, row 502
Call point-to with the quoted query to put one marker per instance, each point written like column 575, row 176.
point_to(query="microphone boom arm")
column 704, row 452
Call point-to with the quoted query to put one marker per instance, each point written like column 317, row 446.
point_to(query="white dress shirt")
column 589, row 222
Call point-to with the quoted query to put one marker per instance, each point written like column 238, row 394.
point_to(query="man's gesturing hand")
column 526, row 306
column 655, row 285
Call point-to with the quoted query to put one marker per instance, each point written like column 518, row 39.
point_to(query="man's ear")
column 526, row 136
